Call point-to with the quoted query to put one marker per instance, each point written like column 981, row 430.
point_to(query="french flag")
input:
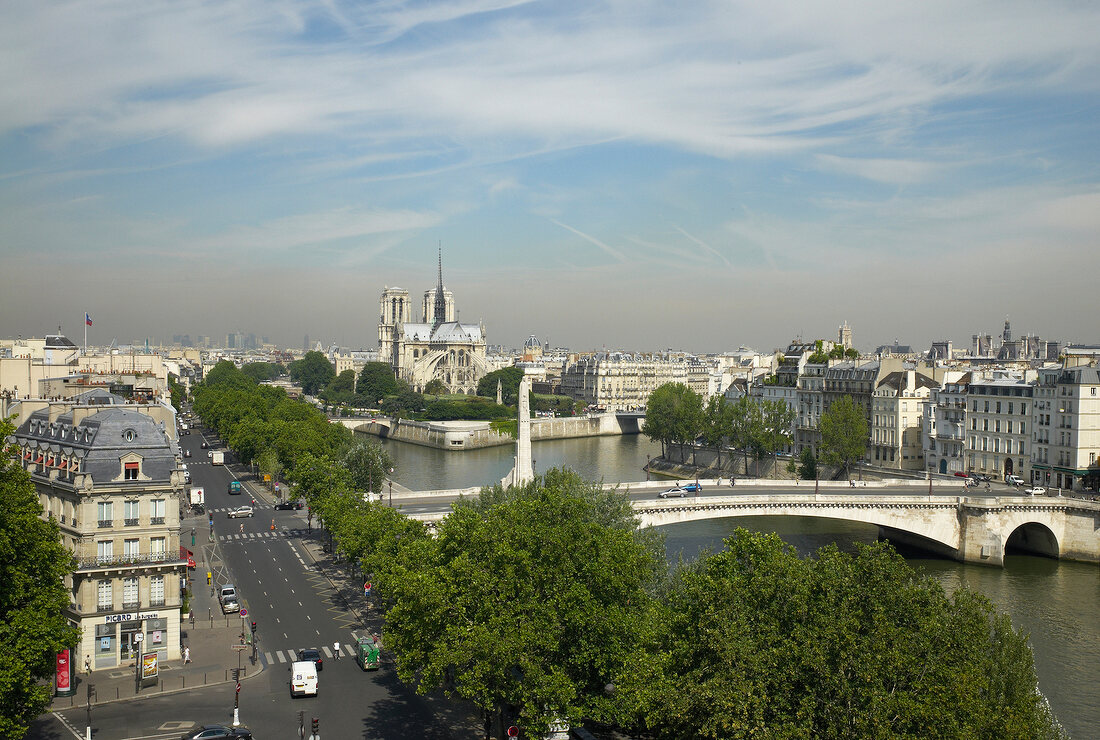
column 87, row 319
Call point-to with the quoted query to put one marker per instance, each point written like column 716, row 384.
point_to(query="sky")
column 627, row 174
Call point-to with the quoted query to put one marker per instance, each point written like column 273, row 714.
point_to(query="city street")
column 299, row 599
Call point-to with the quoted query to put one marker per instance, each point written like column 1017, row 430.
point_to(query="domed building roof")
column 532, row 343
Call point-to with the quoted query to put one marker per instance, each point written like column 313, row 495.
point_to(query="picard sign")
column 112, row 618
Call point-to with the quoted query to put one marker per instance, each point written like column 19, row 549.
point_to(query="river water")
column 1056, row 603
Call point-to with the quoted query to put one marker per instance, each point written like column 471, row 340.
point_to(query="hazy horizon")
column 631, row 175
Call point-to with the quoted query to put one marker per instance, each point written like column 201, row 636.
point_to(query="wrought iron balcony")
column 157, row 520
column 130, row 522
column 106, row 523
column 150, row 558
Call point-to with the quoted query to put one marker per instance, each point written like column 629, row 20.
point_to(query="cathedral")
column 437, row 347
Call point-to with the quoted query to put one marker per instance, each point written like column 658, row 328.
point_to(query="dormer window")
column 131, row 470
column 129, row 435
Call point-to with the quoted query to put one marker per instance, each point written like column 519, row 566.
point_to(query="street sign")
column 244, row 613
column 138, row 637
column 239, row 647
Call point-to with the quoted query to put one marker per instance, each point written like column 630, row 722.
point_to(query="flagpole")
column 85, row 333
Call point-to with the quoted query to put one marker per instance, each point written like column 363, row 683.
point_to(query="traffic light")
column 253, row 627
column 314, row 726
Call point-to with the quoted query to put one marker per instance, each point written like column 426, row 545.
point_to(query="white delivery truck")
column 303, row 678
column 198, row 498
column 217, row 457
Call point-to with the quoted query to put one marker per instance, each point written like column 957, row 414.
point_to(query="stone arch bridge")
column 970, row 529
column 973, row 529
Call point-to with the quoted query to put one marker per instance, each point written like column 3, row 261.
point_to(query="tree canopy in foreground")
column 526, row 602
column 758, row 642
column 33, row 628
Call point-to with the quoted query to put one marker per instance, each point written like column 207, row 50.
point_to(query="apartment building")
column 1067, row 429
column 945, row 425
column 897, row 412
column 999, row 419
column 110, row 476
column 622, row 382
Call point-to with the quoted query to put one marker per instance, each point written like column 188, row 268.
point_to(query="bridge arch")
column 1033, row 538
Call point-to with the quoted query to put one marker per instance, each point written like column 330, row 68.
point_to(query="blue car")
column 692, row 487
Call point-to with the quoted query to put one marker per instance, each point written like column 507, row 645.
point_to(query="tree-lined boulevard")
column 543, row 604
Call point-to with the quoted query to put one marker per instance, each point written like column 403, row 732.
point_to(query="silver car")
column 674, row 491
column 240, row 512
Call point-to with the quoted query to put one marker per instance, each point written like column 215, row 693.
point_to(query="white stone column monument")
column 523, row 470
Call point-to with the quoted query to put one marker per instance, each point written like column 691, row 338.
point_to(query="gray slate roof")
column 102, row 439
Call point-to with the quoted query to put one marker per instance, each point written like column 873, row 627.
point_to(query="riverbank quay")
column 476, row 435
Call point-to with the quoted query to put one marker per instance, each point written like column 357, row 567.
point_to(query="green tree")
column 260, row 371
column 313, row 372
column 268, row 464
column 367, row 464
column 33, row 596
column 526, row 602
column 509, row 378
column 717, row 421
column 435, row 387
column 843, row 433
column 777, row 422
column 674, row 415
column 376, row 381
column 807, row 464
column 745, row 424
column 758, row 642
column 177, row 392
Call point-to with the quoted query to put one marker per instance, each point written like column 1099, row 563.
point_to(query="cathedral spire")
column 439, row 311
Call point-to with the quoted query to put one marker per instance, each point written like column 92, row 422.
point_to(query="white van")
column 303, row 678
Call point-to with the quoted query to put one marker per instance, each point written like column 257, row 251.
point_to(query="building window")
column 104, row 510
column 130, row 548
column 157, row 631
column 131, row 471
column 1010, row 407
column 1022, row 428
column 156, row 591
column 104, row 596
column 156, row 546
column 129, row 593
column 156, row 511
column 130, row 513
column 105, row 551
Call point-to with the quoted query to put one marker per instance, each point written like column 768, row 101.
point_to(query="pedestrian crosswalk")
column 264, row 535
column 347, row 651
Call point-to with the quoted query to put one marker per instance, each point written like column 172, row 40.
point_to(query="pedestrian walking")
column 87, row 664
column 191, row 617
column 186, row 655
column 242, row 527
column 336, row 651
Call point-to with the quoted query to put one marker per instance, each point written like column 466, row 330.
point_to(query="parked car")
column 675, row 491
column 1035, row 491
column 289, row 505
column 693, row 487
column 240, row 512
column 980, row 477
column 311, row 654
column 1014, row 480
column 187, row 453
column 215, row 731
column 204, row 445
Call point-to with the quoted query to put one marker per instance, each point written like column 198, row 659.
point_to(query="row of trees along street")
column 676, row 416
column 547, row 603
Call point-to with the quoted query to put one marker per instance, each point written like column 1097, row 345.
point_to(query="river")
column 1056, row 603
